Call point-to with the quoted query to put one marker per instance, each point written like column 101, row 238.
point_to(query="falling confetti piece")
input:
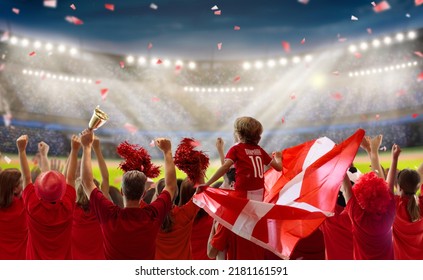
column 50, row 3
column 236, row 27
column 357, row 55
column 419, row 54
column 110, row 7
column 5, row 36
column 2, row 67
column 72, row 6
column 283, row 120
column 218, row 13
column 74, row 20
column 32, row 54
column 303, row 41
column 373, row 4
column 155, row 99
column 305, row 2
column 152, row 143
column 408, row 15
column 293, row 96
column 98, row 82
column 415, row 115
column 354, row 18
column 336, row 73
column 159, row 61
column 286, row 46
column 418, row 2
column 150, row 46
column 369, row 30
column 214, row 8
column 219, row 46
column 122, row 64
column 237, row 79
column 178, row 69
column 7, row 159
column 420, row 78
column 153, row 6
column 104, row 92
column 16, row 11
column 381, row 7
column 377, row 116
column 337, row 96
column 401, row 92
column 383, row 148
column 130, row 128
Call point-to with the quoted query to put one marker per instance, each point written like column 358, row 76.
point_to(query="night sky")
column 189, row 29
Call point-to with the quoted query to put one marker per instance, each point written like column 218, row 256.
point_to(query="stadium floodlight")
column 239, row 89
column 179, row 62
column 251, row 88
column 66, row 78
column 13, row 40
column 72, row 79
column 399, row 37
column 90, row 81
column 227, row 89
column 130, row 59
column 142, row 60
column 283, row 61
column 352, row 48
column 258, row 64
column 49, row 46
column 61, row 48
column 379, row 70
column 376, row 43
column 409, row 64
column 30, row 72
column 202, row 89
column 84, row 80
column 24, row 42
column 296, row 59
column 166, row 63
column 412, row 35
column 387, row 40
column 246, row 65
column 364, row 46
column 271, row 63
column 54, row 76
column 392, row 68
column 386, row 69
column 350, row 74
column 215, row 90
column 222, row 90
column 415, row 63
column 403, row 65
column 192, row 65
column 73, row 51
column 24, row 71
column 245, row 88
column 60, row 77
column 233, row 89
column 185, row 88
column 308, row 58
column 37, row 44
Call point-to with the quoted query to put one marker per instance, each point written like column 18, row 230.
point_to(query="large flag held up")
column 296, row 201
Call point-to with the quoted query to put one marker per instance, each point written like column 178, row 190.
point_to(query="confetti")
column 303, row 41
column 155, row 99
column 401, row 92
column 150, row 46
column 152, row 143
column 73, row 7
column 408, row 15
column 383, row 148
column 104, row 92
column 98, row 82
column 373, row 4
column 7, row 159
column 381, row 7
column 415, row 115
column 293, row 96
column 50, row 3
column 237, row 79
column 357, row 55
column 377, row 116
column 337, row 96
column 178, row 69
column 342, row 39
column 354, row 18
column 130, row 128
column 153, row 6
column 122, row 64
column 5, row 36
column 283, row 120
column 419, row 54
column 32, row 53
column 369, row 30
column 305, row 2
column 420, row 78
column 2, row 67
column 236, row 27
column 159, row 61
column 74, row 20
column 418, row 2
column 110, row 7
column 336, row 73
column 214, row 8
column 286, row 46
column 218, row 13
column 16, row 11
column 219, row 46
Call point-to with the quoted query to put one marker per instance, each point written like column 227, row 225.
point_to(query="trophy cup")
column 97, row 119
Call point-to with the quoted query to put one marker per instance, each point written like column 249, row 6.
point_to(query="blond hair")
column 248, row 129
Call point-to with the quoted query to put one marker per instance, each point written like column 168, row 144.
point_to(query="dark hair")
column 148, row 195
column 9, row 180
column 231, row 175
column 116, row 196
column 186, row 192
column 133, row 184
column 408, row 182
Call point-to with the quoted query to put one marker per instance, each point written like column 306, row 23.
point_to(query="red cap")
column 50, row 186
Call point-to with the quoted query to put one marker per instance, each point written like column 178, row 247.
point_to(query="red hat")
column 50, row 186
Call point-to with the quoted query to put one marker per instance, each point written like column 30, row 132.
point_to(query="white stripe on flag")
column 320, row 147
column 291, row 190
column 252, row 212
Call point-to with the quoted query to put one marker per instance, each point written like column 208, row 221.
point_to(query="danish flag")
column 296, row 201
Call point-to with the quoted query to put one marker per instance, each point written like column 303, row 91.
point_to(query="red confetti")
column 420, row 78
column 104, row 92
column 130, row 128
column 2, row 67
column 305, row 2
column 110, row 7
column 283, row 120
column 98, row 82
column 419, row 54
column 401, row 92
column 159, row 61
column 136, row 158
column 155, row 99
column 292, row 96
column 122, row 64
column 150, row 46
column 381, row 7
column 237, row 79
column 286, row 46
column 236, row 27
column 337, row 96
column 72, row 6
column 418, row 2
column 32, row 54
column 219, row 46
column 357, row 55
column 74, row 20
column 415, row 115
column 369, row 30
column 50, row 3
column 303, row 41
column 193, row 163
column 377, row 116
column 16, row 11
column 218, row 13
column 178, row 69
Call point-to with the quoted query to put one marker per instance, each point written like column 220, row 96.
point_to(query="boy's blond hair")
column 248, row 129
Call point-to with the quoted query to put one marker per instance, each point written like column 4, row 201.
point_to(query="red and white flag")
column 295, row 203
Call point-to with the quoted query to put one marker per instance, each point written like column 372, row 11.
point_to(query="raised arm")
column 73, row 160
column 276, row 162
column 170, row 173
column 371, row 146
column 87, row 138
column 220, row 146
column 43, row 149
column 396, row 150
column 21, row 144
column 223, row 169
column 347, row 188
column 104, row 186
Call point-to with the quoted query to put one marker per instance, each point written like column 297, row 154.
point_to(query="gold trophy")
column 97, row 119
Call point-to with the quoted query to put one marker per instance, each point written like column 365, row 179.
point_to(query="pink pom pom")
column 193, row 163
column 136, row 158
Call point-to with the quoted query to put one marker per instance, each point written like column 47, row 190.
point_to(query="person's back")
column 13, row 225
column 200, row 232
column 408, row 223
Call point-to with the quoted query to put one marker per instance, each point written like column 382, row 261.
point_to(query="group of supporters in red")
column 67, row 214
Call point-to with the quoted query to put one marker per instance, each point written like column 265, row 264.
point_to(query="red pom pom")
column 136, row 158
column 193, row 163
column 372, row 193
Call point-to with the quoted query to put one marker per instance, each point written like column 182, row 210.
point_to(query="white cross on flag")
column 295, row 203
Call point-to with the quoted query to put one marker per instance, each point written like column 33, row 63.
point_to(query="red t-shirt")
column 337, row 234
column 372, row 233
column 200, row 236
column 13, row 231
column 237, row 248
column 49, row 225
column 249, row 161
column 130, row 233
column 175, row 245
column 311, row 247
column 408, row 236
column 87, row 237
